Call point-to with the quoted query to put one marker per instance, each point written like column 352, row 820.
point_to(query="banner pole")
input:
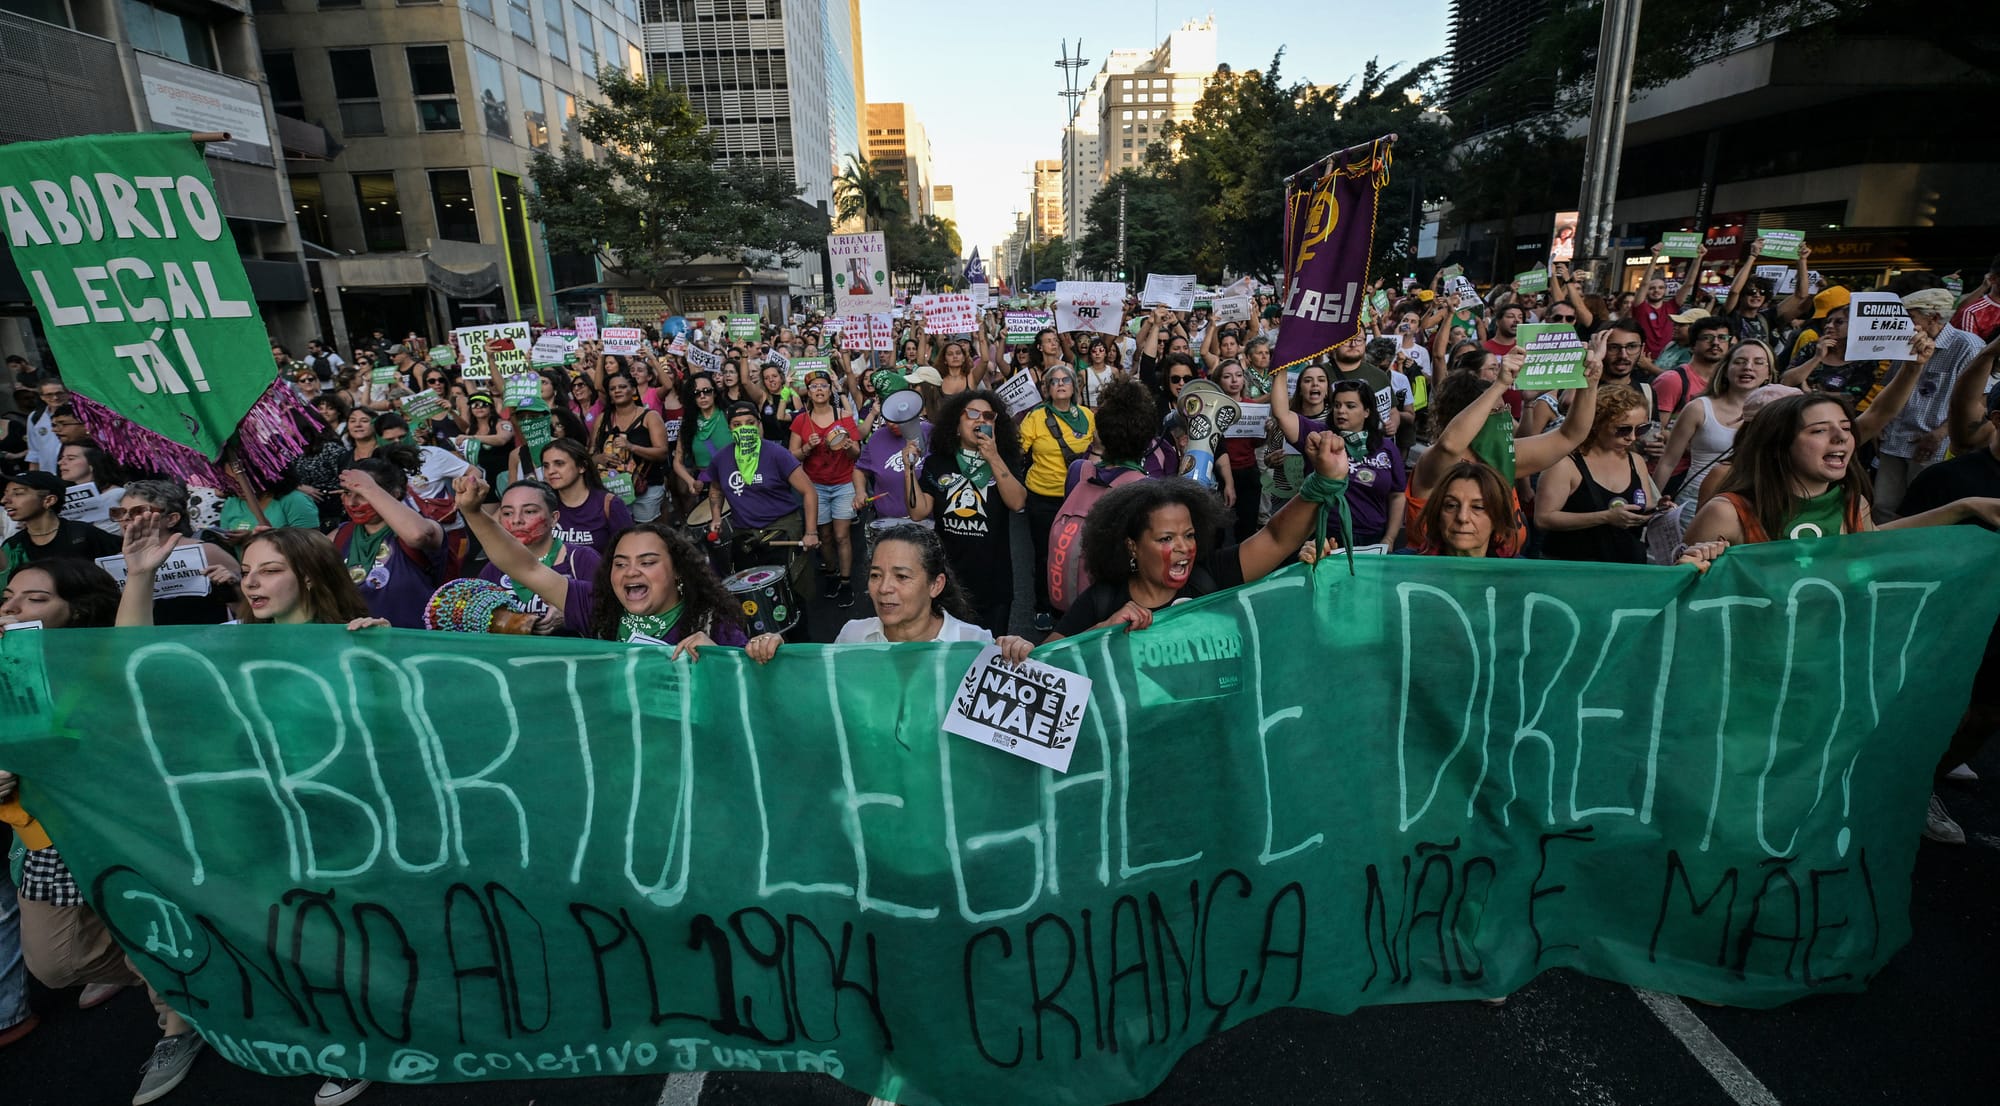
column 200, row 137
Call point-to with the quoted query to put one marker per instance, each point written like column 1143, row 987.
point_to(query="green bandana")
column 711, row 436
column 975, row 467
column 364, row 548
column 1357, row 445
column 651, row 625
column 749, row 449
column 1074, row 418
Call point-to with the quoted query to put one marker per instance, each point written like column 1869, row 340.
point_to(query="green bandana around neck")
column 364, row 548
column 749, row 450
column 651, row 625
column 1074, row 418
column 1357, row 445
column 976, row 468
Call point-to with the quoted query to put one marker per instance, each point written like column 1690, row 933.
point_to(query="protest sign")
column 122, row 245
column 524, row 393
column 1878, row 329
column 1031, row 710
column 1783, row 244
column 184, row 572
column 640, row 836
column 87, row 504
column 1465, row 295
column 1534, row 280
column 1022, row 326
column 1232, row 309
column 949, row 313
column 1555, row 357
column 881, row 333
column 1451, row 272
column 623, row 340
column 550, row 349
column 1019, row 393
column 441, row 355
column 421, row 407
column 1562, row 239
column 704, row 361
column 620, row 484
column 611, row 318
column 1175, row 292
column 484, row 351
column 1328, row 247
column 982, row 294
column 679, row 346
column 860, row 273
column 586, row 328
column 537, row 431
column 1680, row 243
column 1250, row 424
column 803, row 367
column 1785, row 279
column 745, row 328
column 1095, row 306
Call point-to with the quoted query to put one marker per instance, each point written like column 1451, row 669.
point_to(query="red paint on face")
column 529, row 531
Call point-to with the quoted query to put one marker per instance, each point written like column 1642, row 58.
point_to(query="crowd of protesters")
column 703, row 491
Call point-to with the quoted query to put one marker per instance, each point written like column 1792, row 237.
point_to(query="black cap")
column 48, row 483
column 743, row 407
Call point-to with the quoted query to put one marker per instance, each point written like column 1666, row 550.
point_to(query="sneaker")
column 19, row 1030
column 167, row 1066
column 336, row 1092
column 1938, row 825
column 97, row 994
column 843, row 595
column 1044, row 622
column 1963, row 774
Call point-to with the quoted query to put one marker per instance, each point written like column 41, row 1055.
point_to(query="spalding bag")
column 1067, row 578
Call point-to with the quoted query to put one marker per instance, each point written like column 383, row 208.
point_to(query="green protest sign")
column 1379, row 300
column 1782, row 244
column 126, row 253
column 384, row 376
column 524, row 393
column 747, row 328
column 536, row 434
column 421, row 407
column 1678, row 243
column 1555, row 357
column 441, row 355
column 620, row 485
column 425, row 858
column 1450, row 271
column 803, row 367
column 1534, row 280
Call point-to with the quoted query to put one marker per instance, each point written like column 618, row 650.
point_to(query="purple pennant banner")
column 1329, row 243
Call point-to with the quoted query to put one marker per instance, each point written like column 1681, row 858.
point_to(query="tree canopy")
column 657, row 199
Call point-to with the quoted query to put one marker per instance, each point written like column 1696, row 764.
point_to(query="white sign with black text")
column 184, row 572
column 1031, row 710
column 1878, row 329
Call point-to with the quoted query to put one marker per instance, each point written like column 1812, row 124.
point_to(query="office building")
column 842, row 52
column 77, row 67
column 1082, row 144
column 1124, row 109
column 1045, row 199
column 943, row 205
column 419, row 220
column 896, row 143
column 1809, row 128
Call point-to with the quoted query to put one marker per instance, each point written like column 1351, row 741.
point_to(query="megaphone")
column 1209, row 411
column 906, row 410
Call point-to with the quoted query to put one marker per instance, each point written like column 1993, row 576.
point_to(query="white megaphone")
column 906, row 410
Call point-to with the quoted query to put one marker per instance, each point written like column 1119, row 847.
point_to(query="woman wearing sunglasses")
column 1595, row 504
column 972, row 482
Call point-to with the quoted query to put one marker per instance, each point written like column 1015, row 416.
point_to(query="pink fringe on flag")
column 270, row 438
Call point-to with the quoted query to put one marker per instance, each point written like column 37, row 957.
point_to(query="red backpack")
column 1067, row 576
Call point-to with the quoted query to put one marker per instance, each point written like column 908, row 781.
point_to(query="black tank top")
column 1608, row 544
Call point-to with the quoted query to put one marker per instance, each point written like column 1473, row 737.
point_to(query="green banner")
column 404, row 856
column 125, row 251
column 1679, row 243
column 1534, row 280
column 1782, row 244
column 746, row 328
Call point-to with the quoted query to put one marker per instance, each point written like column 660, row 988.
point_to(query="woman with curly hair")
column 1142, row 545
column 652, row 586
column 972, row 482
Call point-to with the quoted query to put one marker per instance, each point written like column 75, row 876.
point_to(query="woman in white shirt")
column 916, row 597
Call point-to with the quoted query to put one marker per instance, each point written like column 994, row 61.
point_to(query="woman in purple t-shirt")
column 653, row 585
column 590, row 514
column 392, row 551
column 527, row 511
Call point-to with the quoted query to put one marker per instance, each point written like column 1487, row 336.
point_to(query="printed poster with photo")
column 860, row 273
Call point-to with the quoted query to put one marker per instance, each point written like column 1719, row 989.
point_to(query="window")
column 586, row 42
column 282, row 71
column 492, row 94
column 1128, row 143
column 180, row 37
column 521, row 18
column 436, row 90
column 481, row 8
column 381, row 212
column 451, row 203
column 552, row 10
column 534, row 111
column 567, row 103
column 520, row 255
column 339, row 3
column 354, row 87
column 635, row 60
column 614, row 51
column 309, row 202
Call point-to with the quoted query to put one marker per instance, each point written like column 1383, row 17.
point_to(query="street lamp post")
column 1617, row 46
column 1072, row 68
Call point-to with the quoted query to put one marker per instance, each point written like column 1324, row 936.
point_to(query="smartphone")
column 986, row 429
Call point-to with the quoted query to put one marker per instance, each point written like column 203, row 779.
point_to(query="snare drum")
column 696, row 529
column 765, row 598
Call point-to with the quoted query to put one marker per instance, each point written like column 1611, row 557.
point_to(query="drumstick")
column 872, row 498
column 781, row 543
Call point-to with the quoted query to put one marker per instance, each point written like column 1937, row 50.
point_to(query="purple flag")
column 1329, row 243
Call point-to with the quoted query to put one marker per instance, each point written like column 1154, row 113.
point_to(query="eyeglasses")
column 1626, row 431
column 1562, row 318
column 704, row 391
column 981, row 416
column 1625, row 347
column 1177, row 378
column 126, row 514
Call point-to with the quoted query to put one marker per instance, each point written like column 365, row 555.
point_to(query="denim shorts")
column 836, row 501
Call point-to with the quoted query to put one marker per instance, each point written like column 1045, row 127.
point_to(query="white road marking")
column 683, row 1089
column 1736, row 1079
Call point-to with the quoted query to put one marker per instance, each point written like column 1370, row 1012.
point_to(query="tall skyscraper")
column 943, row 203
column 1045, row 199
column 1124, row 108
column 1082, row 144
column 896, row 143
column 842, row 50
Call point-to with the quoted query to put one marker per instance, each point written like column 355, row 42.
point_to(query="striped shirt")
column 1929, row 404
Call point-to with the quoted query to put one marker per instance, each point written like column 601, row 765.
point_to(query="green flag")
column 425, row 857
column 125, row 251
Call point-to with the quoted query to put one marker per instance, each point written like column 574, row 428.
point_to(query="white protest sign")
column 860, row 272
column 982, row 294
column 1019, row 393
column 1878, row 329
column 1095, row 306
column 881, row 333
column 1023, row 326
column 485, row 350
column 1176, row 292
column 550, row 349
column 586, row 328
column 623, row 340
column 1232, row 309
column 85, row 503
column 679, row 346
column 704, row 361
column 1030, row 710
column 1466, row 294
column 180, row 574
column 1250, row 424
column 948, row 313
column 1785, row 279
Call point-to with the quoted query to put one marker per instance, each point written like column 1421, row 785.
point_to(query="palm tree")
column 861, row 192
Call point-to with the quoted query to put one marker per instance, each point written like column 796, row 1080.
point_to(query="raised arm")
column 1889, row 402
column 1743, row 270
column 148, row 543
column 1281, row 406
column 411, row 528
column 1455, row 441
column 1799, row 302
column 1966, row 418
column 1269, row 548
column 1541, row 452
column 503, row 549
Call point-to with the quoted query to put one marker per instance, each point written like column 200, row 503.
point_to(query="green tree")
column 1158, row 226
column 1046, row 258
column 874, row 196
column 923, row 253
column 657, row 200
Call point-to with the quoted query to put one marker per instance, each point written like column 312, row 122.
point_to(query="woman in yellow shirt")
column 1054, row 434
